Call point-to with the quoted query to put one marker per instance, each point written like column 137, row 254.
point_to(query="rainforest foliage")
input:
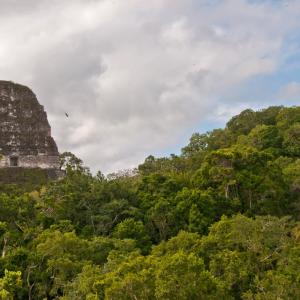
column 218, row 221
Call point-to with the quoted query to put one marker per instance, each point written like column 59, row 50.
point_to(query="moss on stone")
column 25, row 180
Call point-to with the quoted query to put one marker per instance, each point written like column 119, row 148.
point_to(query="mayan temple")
column 25, row 133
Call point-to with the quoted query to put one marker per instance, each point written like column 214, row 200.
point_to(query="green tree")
column 291, row 142
column 183, row 276
column 10, row 284
column 131, row 229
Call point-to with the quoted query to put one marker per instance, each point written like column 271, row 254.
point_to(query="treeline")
column 219, row 221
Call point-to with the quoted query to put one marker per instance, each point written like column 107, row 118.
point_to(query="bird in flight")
column 67, row 115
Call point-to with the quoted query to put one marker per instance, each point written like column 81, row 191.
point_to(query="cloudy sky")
column 139, row 77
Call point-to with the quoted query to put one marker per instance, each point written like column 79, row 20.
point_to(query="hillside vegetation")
column 219, row 221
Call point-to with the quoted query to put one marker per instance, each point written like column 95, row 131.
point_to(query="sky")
column 139, row 77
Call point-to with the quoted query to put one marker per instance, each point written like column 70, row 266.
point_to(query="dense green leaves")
column 9, row 284
column 210, row 223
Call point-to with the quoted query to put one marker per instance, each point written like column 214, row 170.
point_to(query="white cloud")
column 134, row 76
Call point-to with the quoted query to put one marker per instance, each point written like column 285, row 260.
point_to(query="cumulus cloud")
column 133, row 76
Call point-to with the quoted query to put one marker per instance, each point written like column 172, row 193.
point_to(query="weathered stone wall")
column 25, row 134
column 29, row 179
column 32, row 161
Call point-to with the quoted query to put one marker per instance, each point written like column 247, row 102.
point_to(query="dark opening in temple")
column 14, row 161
